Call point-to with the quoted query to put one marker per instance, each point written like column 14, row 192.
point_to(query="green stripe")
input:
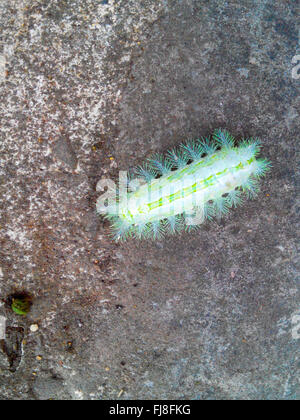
column 185, row 192
column 202, row 184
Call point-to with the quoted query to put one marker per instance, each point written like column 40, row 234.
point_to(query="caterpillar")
column 198, row 180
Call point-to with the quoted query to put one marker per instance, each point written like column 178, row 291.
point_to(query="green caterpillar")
column 198, row 180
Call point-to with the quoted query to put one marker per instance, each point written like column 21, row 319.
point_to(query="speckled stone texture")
column 89, row 88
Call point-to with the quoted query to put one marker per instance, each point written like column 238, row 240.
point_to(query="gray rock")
column 49, row 388
column 207, row 315
column 63, row 151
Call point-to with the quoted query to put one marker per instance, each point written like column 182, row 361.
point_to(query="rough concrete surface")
column 89, row 88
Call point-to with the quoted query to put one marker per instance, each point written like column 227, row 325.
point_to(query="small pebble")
column 34, row 327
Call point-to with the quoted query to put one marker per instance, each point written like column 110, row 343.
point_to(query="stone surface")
column 90, row 88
